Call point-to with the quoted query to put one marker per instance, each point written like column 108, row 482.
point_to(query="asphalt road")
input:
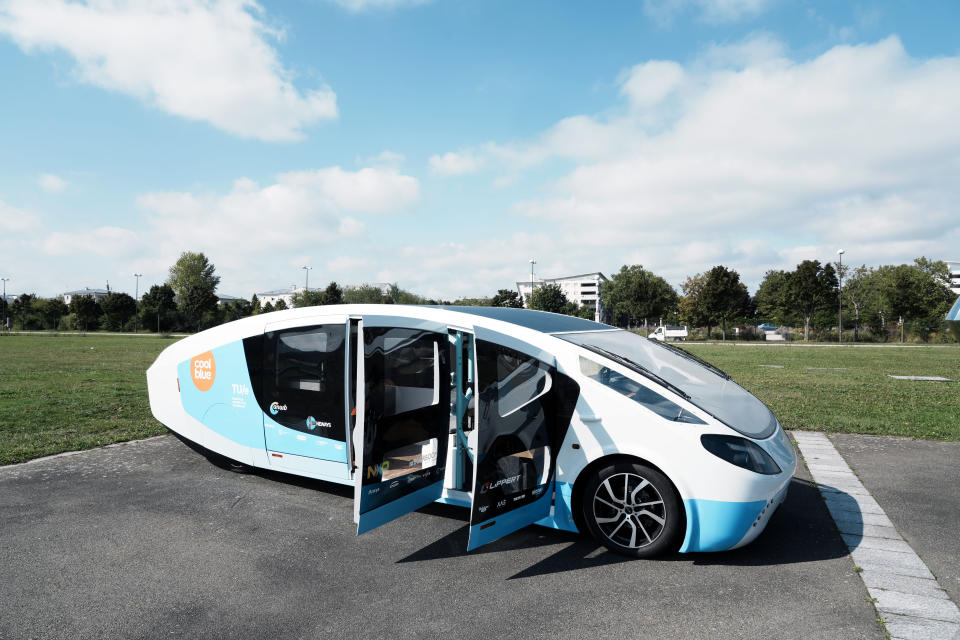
column 150, row 540
column 917, row 482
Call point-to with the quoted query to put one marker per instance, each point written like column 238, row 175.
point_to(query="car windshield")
column 703, row 384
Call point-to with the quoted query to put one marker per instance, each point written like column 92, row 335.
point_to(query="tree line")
column 878, row 303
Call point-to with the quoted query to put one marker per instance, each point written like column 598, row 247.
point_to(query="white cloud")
column 12, row 219
column 455, row 164
column 206, row 60
column 101, row 241
column 747, row 158
column 51, row 183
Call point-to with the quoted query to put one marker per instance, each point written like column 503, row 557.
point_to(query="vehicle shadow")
column 800, row 531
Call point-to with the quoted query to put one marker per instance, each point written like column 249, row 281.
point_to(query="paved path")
column 911, row 601
column 149, row 540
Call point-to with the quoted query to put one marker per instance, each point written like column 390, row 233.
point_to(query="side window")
column 410, row 377
column 516, row 423
column 304, row 379
column 636, row 392
column 521, row 379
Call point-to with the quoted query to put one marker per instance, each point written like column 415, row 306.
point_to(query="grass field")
column 63, row 393
column 851, row 392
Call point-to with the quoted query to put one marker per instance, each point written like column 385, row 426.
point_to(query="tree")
column 281, row 305
column 549, row 297
column 363, row 294
column 237, row 309
column 118, row 309
column 918, row 293
column 158, row 308
column 635, row 293
column 267, row 308
column 51, row 310
column 692, row 312
column 811, row 288
column 723, row 297
column 506, row 298
column 85, row 310
column 772, row 298
column 254, row 305
column 195, row 283
column 333, row 294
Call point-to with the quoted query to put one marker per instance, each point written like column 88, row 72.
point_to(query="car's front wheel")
column 632, row 509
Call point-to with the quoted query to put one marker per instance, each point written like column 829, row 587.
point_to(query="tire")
column 646, row 524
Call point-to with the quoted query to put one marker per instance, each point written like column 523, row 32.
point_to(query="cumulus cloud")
column 12, row 219
column 205, row 60
column 51, row 183
column 856, row 148
column 455, row 163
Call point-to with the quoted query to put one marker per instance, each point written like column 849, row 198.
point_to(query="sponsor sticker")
column 276, row 408
column 203, row 370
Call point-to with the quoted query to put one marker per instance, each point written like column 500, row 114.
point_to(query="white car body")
column 208, row 390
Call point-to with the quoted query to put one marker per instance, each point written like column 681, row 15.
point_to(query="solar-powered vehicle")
column 523, row 416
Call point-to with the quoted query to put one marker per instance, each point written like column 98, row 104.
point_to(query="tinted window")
column 406, row 424
column 636, row 392
column 303, row 379
column 524, row 410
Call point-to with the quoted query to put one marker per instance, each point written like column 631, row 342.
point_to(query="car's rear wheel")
column 632, row 509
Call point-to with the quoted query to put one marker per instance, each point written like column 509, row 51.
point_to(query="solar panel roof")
column 536, row 320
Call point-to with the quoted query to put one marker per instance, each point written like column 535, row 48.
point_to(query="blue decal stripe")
column 401, row 506
column 509, row 522
column 562, row 515
column 715, row 525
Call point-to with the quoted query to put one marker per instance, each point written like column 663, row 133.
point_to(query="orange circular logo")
column 203, row 371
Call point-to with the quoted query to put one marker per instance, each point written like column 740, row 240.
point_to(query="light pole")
column 532, row 262
column 840, row 297
column 4, row 302
column 306, row 284
column 136, row 303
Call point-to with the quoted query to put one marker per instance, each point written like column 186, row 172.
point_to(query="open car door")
column 403, row 418
column 524, row 407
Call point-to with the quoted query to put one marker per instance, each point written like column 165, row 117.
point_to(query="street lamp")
column 840, row 281
column 532, row 262
column 136, row 303
column 306, row 284
column 4, row 301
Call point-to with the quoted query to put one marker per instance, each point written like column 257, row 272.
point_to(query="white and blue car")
column 525, row 417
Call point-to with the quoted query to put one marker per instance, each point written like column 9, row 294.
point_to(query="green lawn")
column 63, row 393
column 859, row 398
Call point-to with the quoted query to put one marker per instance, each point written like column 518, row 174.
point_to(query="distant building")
column 287, row 294
column 96, row 294
column 953, row 267
column 582, row 290
column 275, row 296
column 225, row 299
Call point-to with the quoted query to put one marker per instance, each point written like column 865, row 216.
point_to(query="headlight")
column 741, row 452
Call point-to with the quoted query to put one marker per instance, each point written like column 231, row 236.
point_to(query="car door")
column 403, row 418
column 524, row 407
column 304, row 395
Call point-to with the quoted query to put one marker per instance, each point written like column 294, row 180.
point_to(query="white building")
column 96, row 294
column 953, row 266
column 582, row 290
column 279, row 294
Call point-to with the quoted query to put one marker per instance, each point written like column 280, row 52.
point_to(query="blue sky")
column 440, row 144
